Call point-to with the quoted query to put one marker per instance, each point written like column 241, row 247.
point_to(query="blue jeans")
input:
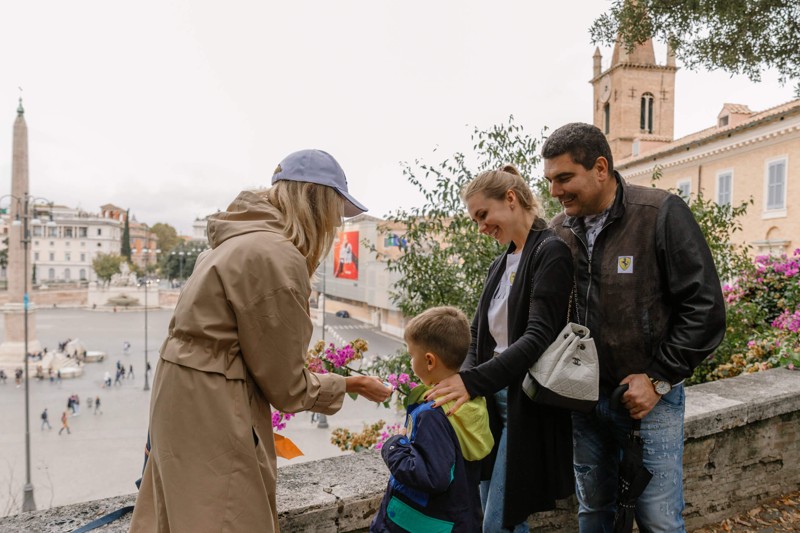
column 492, row 491
column 597, row 438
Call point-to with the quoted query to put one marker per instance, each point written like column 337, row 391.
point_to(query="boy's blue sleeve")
column 427, row 463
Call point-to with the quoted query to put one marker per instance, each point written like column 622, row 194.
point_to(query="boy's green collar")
column 415, row 396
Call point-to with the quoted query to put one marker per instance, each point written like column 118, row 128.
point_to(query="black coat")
column 539, row 438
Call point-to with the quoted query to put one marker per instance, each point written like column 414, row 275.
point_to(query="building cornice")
column 634, row 66
column 644, row 164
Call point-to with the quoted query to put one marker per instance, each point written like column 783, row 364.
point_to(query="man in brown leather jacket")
column 649, row 292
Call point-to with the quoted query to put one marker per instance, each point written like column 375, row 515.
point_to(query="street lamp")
column 26, row 203
column 145, row 252
column 180, row 255
column 322, row 419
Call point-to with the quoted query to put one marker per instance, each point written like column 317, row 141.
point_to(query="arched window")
column 82, row 274
column 51, row 273
column 606, row 118
column 646, row 114
column 67, row 274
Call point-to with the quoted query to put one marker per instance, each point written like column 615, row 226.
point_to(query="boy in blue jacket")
column 434, row 464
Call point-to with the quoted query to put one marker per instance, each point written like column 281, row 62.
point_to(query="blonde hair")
column 443, row 331
column 494, row 184
column 311, row 214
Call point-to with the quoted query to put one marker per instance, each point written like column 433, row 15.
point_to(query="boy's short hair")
column 443, row 331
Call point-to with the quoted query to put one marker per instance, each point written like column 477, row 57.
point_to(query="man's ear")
column 601, row 166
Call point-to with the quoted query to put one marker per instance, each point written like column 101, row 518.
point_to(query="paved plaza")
column 103, row 455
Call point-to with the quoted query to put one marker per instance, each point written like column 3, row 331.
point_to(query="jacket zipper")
column 589, row 256
column 589, row 288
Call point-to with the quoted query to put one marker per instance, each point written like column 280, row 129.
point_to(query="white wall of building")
column 64, row 252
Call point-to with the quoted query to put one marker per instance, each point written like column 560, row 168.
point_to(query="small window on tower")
column 646, row 113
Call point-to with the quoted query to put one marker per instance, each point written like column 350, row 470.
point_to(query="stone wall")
column 84, row 297
column 742, row 447
column 75, row 297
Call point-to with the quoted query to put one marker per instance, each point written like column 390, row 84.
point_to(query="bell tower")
column 634, row 99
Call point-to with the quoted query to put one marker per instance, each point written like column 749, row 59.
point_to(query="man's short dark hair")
column 583, row 142
column 443, row 331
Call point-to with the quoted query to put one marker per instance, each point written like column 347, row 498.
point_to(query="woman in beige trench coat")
column 236, row 346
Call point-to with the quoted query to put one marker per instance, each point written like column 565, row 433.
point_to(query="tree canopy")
column 106, row 265
column 167, row 236
column 738, row 36
column 179, row 262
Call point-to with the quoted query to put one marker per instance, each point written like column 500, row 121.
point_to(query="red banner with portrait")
column 345, row 255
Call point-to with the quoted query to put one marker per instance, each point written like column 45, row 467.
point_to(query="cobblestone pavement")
column 779, row 515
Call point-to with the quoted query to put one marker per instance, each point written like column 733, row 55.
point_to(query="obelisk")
column 12, row 349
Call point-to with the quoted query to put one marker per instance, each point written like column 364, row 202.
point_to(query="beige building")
column 362, row 288
column 745, row 155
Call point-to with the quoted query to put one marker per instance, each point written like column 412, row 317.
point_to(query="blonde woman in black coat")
column 521, row 310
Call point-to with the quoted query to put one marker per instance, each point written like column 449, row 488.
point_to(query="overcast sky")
column 170, row 108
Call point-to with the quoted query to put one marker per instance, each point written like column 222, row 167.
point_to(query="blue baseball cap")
column 316, row 166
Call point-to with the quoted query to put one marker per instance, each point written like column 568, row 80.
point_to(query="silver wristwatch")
column 661, row 387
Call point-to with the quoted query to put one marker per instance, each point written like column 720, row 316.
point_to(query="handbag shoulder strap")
column 572, row 298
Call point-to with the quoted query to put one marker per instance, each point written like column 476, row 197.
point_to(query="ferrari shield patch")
column 625, row 264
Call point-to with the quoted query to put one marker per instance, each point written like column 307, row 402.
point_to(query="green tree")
column 179, row 262
column 446, row 260
column 106, row 265
column 738, row 36
column 126, row 238
column 167, row 236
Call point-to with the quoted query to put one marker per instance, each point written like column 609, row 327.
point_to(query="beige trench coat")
column 236, row 346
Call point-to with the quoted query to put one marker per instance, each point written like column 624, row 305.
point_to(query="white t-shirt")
column 498, row 307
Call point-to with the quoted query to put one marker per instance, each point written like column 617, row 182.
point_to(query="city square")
column 103, row 455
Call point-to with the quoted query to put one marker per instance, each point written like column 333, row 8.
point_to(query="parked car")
column 342, row 314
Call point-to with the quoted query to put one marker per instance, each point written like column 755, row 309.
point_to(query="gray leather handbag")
column 567, row 375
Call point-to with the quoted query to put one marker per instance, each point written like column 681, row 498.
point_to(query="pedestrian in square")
column 64, row 423
column 45, row 420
